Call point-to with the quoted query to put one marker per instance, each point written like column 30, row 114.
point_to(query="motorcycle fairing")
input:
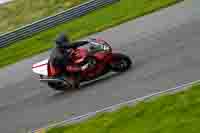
column 41, row 67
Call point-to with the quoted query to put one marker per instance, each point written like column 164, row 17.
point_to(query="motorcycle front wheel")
column 120, row 63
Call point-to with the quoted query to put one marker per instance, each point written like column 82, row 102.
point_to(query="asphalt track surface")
column 165, row 45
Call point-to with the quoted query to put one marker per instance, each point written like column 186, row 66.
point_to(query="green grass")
column 20, row 12
column 172, row 113
column 85, row 25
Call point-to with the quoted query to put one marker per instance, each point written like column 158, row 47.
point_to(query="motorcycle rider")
column 60, row 57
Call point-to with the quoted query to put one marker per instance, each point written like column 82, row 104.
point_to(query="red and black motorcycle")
column 96, row 56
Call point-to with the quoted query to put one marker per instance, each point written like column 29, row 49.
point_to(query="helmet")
column 62, row 41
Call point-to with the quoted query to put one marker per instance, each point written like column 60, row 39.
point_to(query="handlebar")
column 100, row 42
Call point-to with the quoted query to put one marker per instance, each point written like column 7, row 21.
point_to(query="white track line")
column 114, row 106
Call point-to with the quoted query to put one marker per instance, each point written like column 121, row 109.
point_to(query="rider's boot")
column 77, row 84
column 77, row 81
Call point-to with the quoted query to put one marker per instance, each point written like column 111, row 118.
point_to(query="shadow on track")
column 47, row 96
column 84, row 86
column 87, row 85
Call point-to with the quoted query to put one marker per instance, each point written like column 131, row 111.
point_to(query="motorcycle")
column 96, row 56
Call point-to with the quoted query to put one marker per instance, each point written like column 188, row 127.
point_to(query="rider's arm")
column 78, row 44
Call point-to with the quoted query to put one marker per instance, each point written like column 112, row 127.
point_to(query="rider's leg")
column 74, row 75
column 77, row 78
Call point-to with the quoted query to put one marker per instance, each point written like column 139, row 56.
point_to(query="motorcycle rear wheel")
column 59, row 86
column 65, row 85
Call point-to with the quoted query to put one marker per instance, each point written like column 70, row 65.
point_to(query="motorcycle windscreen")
column 41, row 67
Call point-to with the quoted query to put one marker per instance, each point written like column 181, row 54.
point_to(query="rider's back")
column 58, row 59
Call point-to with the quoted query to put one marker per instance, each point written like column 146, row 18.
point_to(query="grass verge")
column 96, row 21
column 172, row 113
column 17, row 13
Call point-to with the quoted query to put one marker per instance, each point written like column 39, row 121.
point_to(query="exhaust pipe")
column 55, row 81
column 51, row 80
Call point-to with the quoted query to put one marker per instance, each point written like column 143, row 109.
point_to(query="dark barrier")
column 52, row 21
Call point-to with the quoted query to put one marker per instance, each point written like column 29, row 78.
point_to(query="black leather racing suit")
column 60, row 58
